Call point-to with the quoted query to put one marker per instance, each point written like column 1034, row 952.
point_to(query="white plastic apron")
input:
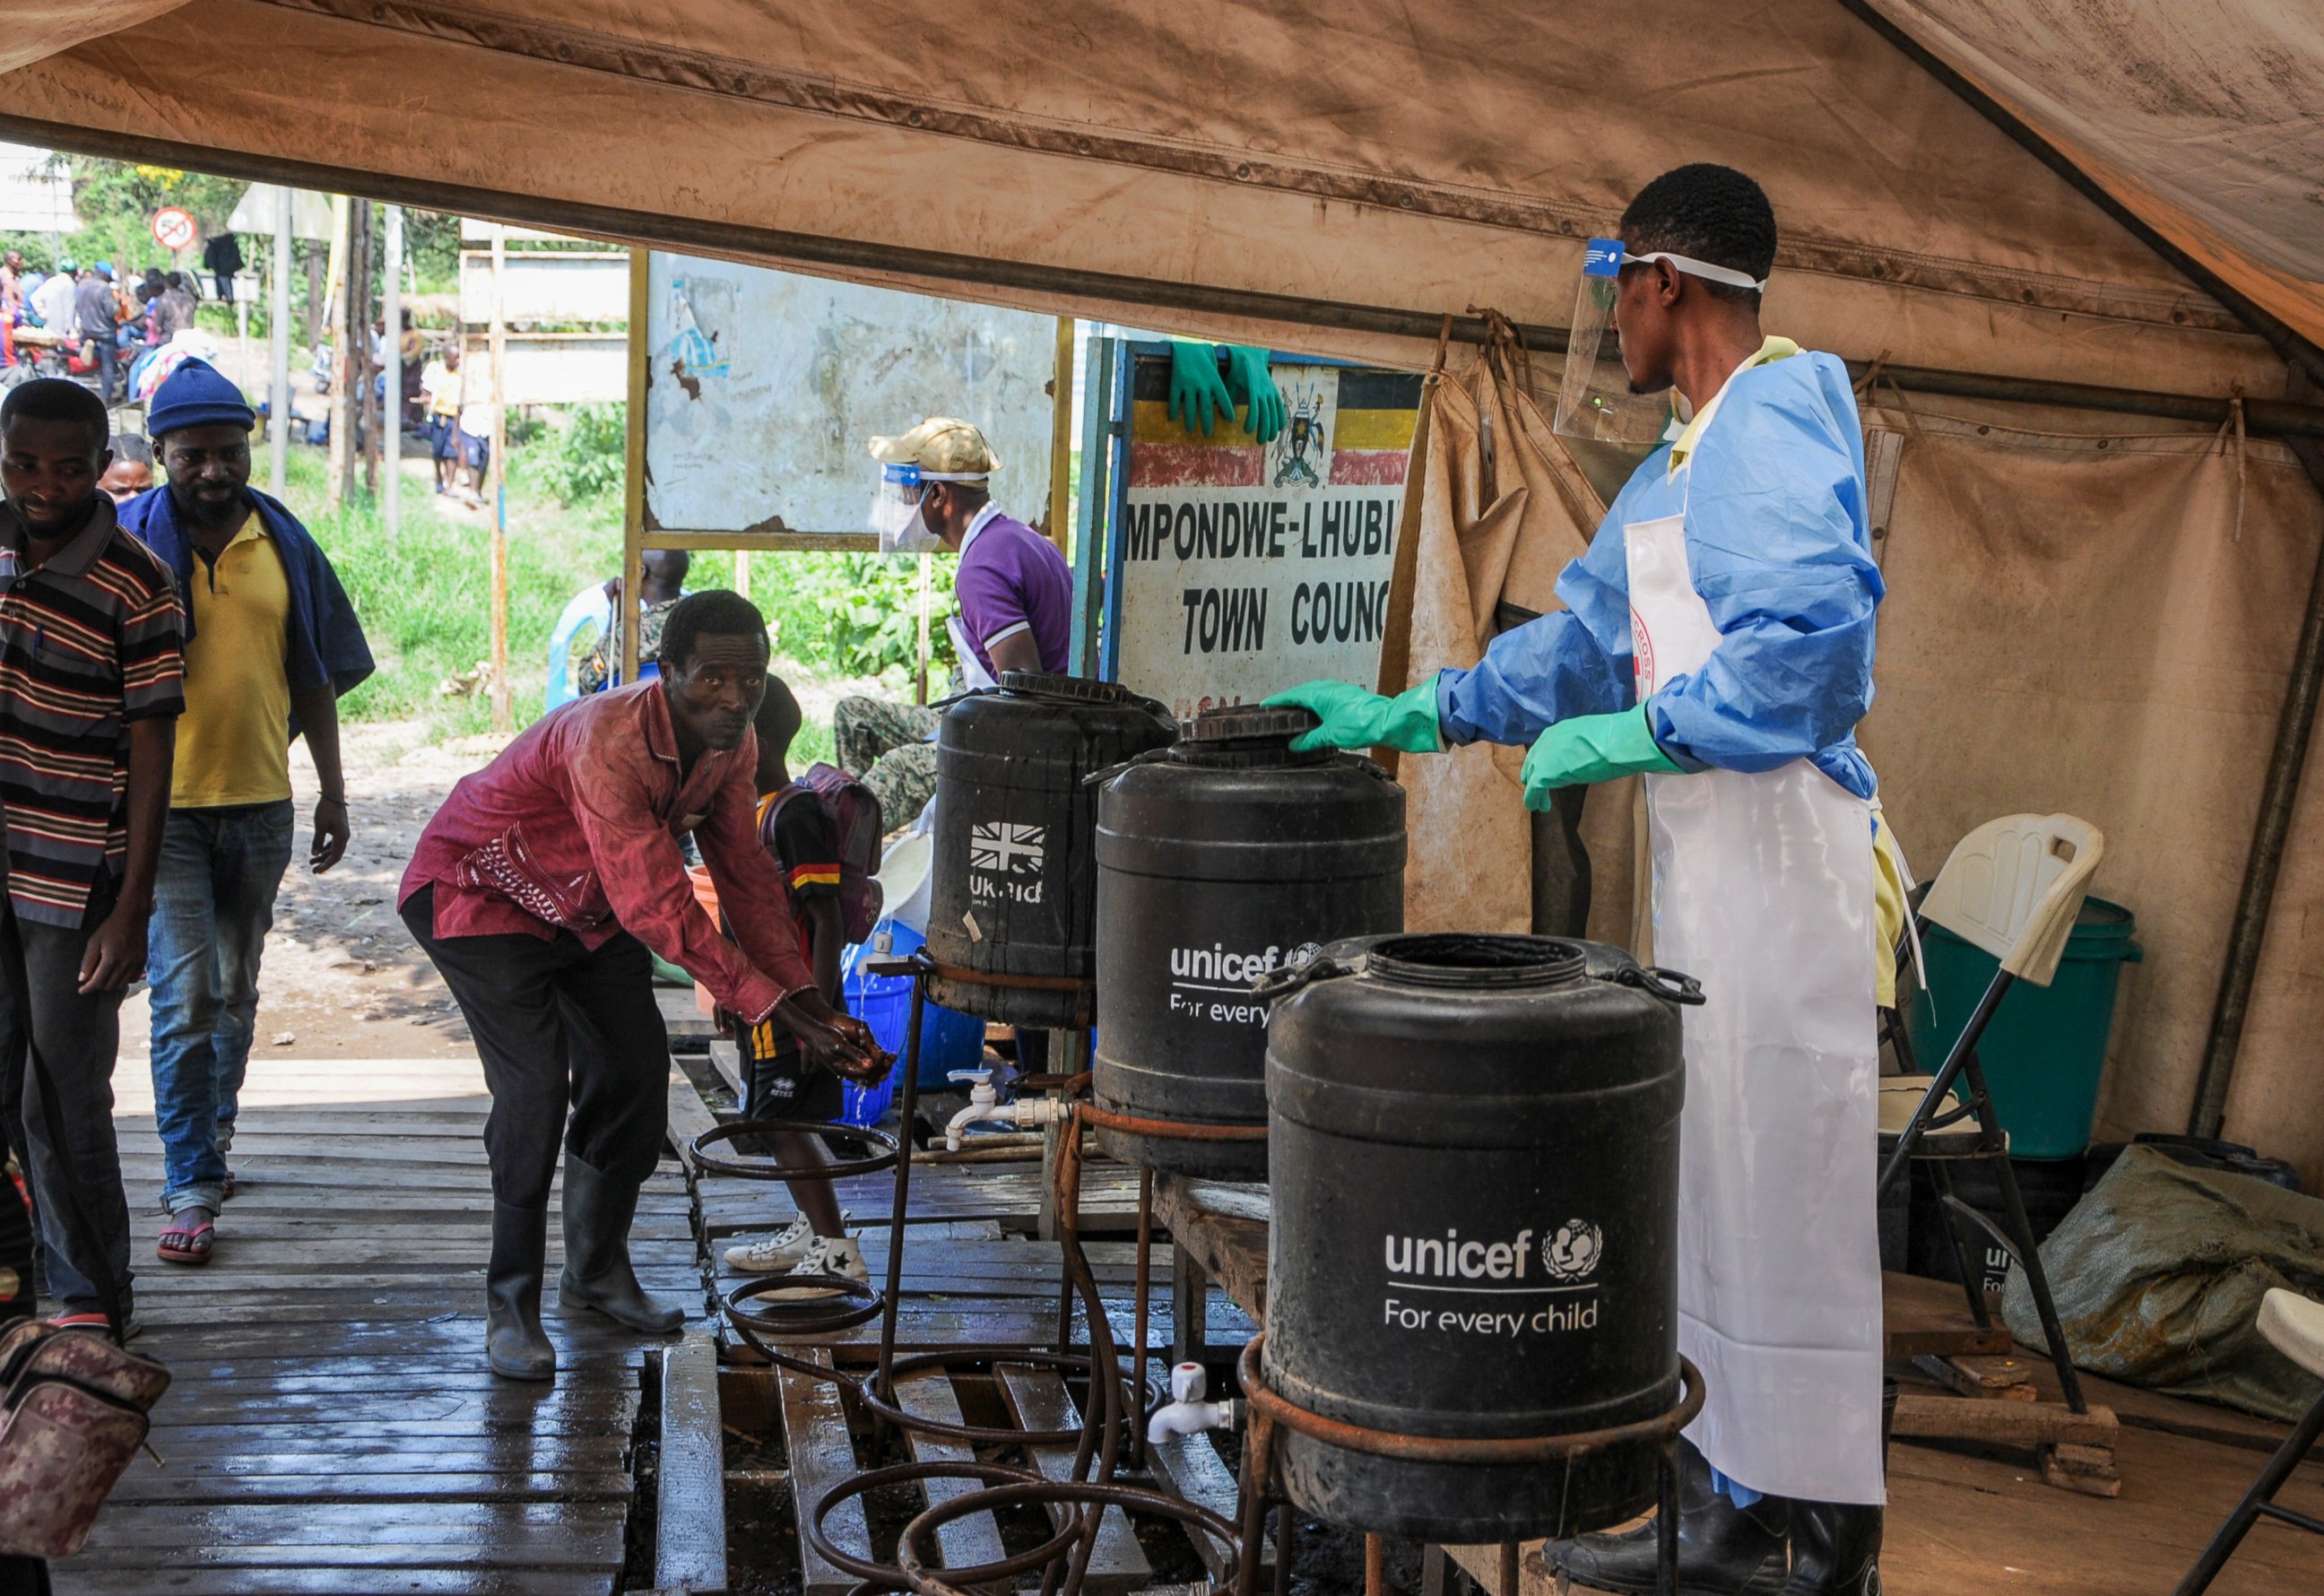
column 1763, row 890
column 972, row 669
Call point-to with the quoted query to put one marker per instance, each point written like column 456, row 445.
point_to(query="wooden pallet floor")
column 332, row 1427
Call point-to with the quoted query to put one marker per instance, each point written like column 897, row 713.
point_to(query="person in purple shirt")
column 1013, row 593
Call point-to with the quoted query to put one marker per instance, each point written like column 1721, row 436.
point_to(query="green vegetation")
column 422, row 595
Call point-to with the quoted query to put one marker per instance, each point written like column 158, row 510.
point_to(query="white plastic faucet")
column 984, row 1103
column 1187, row 1413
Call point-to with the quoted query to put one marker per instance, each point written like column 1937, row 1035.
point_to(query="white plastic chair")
column 2294, row 1327
column 2013, row 887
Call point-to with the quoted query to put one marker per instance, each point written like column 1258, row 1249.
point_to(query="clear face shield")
column 897, row 504
column 1595, row 399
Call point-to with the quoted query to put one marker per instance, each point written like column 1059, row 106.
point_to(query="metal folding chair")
column 2012, row 887
column 2294, row 1325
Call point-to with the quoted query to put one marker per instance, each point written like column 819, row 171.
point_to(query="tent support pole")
column 2279, row 795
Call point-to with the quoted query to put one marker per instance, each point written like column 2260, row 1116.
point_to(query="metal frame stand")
column 1064, row 1558
column 1270, row 1410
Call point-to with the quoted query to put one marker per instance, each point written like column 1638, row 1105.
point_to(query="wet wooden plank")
column 1037, row 1399
column 1191, row 1466
column 966, row 1542
column 690, row 1519
column 689, row 1117
column 822, row 1458
column 1220, row 1228
column 81, row 1577
column 337, row 1486
column 332, row 1427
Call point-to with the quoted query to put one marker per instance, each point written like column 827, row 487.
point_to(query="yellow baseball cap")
column 941, row 447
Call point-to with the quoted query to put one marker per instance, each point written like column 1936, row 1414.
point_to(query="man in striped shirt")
column 90, row 689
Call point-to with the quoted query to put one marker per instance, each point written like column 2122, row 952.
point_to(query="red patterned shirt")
column 575, row 827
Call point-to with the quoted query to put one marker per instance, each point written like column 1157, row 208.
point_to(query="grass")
column 423, row 596
column 423, row 599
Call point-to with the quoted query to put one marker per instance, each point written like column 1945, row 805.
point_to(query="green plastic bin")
column 2045, row 1048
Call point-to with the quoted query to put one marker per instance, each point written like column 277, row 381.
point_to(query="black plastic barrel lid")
column 1478, row 959
column 1078, row 690
column 1247, row 734
column 1240, row 723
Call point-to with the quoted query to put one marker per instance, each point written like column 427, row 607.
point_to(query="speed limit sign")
column 173, row 229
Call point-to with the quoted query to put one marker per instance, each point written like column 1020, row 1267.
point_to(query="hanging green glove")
column 1196, row 389
column 1591, row 748
column 1353, row 718
column 1249, row 371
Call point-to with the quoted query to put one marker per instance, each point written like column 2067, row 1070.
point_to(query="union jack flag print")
column 1007, row 848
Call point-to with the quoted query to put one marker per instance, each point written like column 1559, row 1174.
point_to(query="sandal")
column 185, row 1243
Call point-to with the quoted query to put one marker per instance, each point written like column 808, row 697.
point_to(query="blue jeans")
column 213, row 904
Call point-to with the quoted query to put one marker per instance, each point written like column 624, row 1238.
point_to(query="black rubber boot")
column 598, row 1208
column 1835, row 1550
column 514, row 1344
column 1723, row 1550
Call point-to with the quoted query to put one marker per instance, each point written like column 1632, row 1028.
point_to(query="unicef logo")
column 1572, row 1250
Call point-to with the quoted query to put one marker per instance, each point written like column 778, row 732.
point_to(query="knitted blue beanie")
column 196, row 395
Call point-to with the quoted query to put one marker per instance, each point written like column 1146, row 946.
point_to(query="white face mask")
column 916, row 536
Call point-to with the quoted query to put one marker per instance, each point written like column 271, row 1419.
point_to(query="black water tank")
column 1227, row 859
column 1014, row 887
column 1473, row 1148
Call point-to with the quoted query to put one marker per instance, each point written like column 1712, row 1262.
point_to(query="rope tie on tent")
column 1867, row 392
column 2235, row 423
column 1506, row 345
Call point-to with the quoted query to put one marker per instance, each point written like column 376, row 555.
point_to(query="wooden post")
column 278, row 326
column 633, row 472
column 359, row 298
column 1061, row 442
column 502, row 717
column 342, row 423
column 927, row 564
column 391, row 434
column 315, row 307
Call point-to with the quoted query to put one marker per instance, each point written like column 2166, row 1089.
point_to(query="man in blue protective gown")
column 1718, row 639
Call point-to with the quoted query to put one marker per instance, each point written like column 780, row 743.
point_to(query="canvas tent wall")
column 1339, row 179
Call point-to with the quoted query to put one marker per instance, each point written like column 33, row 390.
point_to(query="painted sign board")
column 1240, row 568
column 545, row 285
column 762, row 387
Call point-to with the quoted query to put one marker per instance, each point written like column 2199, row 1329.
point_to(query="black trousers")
column 558, row 1026
column 79, row 1039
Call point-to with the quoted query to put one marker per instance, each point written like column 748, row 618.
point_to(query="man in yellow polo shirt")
column 270, row 643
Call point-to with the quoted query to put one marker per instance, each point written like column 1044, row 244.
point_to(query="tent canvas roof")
column 1334, row 178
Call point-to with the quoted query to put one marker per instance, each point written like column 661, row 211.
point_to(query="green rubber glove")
column 1591, row 748
column 1196, row 389
column 1353, row 718
column 1250, row 372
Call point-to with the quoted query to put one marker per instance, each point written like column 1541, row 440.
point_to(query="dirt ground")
column 342, row 978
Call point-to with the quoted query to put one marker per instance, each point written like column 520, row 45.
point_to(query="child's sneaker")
column 778, row 1253
column 826, row 1255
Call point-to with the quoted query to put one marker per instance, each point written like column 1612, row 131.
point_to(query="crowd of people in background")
column 84, row 321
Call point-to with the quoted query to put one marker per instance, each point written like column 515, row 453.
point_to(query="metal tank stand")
column 1270, row 1410
column 1160, row 1131
column 1064, row 1558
